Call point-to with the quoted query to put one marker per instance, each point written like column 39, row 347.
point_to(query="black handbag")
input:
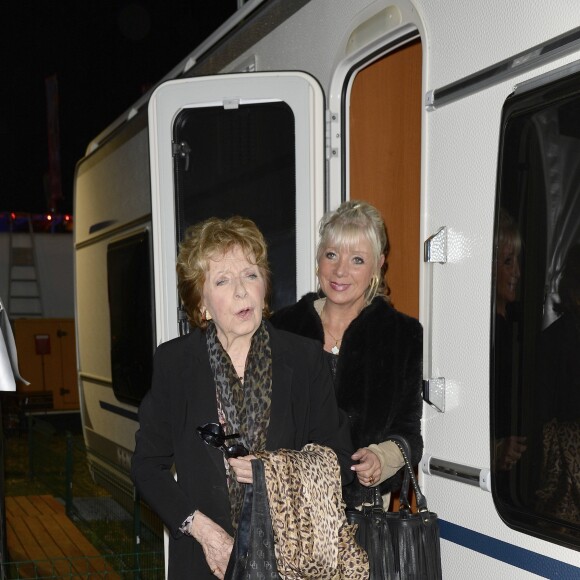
column 253, row 556
column 400, row 545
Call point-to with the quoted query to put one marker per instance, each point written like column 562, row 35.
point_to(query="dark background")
column 105, row 55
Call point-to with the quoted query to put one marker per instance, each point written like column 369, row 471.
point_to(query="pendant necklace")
column 335, row 349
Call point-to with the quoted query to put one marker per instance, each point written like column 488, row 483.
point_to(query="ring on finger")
column 371, row 479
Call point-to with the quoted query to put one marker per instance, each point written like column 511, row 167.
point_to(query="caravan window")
column 241, row 161
column 535, row 342
column 131, row 314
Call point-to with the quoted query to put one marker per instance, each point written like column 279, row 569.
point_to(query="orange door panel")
column 385, row 161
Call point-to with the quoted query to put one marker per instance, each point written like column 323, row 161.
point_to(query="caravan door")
column 240, row 144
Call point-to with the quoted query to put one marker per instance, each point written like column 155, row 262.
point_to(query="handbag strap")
column 409, row 476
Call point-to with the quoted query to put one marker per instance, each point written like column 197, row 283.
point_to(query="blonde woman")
column 374, row 351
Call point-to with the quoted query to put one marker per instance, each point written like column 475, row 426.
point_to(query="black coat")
column 378, row 379
column 183, row 397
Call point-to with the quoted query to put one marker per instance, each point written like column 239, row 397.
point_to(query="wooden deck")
column 46, row 543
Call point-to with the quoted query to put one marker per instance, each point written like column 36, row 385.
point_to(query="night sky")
column 104, row 54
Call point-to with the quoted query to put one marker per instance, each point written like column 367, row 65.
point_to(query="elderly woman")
column 233, row 374
column 375, row 352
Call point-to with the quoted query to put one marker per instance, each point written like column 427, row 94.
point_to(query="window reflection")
column 535, row 343
column 509, row 443
column 559, row 490
column 241, row 161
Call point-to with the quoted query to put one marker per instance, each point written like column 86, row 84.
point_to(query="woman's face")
column 233, row 294
column 345, row 272
column 508, row 276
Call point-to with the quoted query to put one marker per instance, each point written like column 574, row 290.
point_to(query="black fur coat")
column 378, row 377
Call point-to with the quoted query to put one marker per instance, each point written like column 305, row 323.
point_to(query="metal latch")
column 436, row 247
column 183, row 151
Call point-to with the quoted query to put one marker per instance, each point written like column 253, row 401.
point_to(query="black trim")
column 119, row 411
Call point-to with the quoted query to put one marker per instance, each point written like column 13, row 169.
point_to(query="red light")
column 67, row 218
column 49, row 217
column 13, row 216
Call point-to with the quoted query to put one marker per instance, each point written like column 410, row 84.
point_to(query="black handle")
column 409, row 476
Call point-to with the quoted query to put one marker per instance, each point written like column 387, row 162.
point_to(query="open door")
column 243, row 144
column 385, row 160
column 385, row 164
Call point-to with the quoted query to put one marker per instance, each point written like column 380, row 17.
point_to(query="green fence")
column 100, row 499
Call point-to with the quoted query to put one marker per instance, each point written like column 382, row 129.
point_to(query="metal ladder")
column 24, row 295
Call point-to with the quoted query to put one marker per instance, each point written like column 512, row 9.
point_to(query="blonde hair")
column 508, row 232
column 207, row 240
column 345, row 226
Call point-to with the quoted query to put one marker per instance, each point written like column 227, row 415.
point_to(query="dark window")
column 241, row 161
column 131, row 315
column 535, row 346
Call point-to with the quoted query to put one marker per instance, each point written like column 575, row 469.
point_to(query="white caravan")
column 439, row 112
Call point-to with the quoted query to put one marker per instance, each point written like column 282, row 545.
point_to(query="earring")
column 374, row 285
column 206, row 314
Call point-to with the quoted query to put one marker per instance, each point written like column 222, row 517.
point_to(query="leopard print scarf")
column 245, row 406
column 312, row 537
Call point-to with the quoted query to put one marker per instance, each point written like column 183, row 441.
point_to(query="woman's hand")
column 242, row 468
column 216, row 543
column 509, row 451
column 368, row 468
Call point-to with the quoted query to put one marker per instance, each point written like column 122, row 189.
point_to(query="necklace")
column 335, row 349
